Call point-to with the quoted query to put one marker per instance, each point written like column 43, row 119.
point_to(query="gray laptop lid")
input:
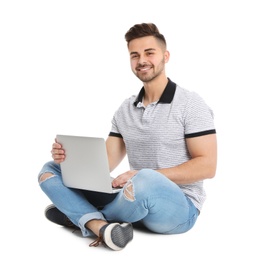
column 86, row 163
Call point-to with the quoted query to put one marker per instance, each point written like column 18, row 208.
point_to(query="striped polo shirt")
column 155, row 135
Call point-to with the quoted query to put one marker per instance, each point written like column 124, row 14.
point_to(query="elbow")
column 211, row 173
column 209, row 167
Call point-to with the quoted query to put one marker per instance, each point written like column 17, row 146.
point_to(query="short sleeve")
column 199, row 117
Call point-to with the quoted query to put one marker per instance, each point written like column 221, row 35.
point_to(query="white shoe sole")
column 117, row 236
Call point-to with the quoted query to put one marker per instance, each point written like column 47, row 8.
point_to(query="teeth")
column 144, row 68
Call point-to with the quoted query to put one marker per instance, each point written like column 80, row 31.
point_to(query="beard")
column 149, row 76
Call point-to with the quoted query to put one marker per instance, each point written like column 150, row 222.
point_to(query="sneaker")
column 56, row 216
column 116, row 236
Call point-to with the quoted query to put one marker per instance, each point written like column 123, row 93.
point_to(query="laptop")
column 86, row 164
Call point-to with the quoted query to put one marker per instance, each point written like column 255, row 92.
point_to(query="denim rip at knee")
column 71, row 202
column 155, row 200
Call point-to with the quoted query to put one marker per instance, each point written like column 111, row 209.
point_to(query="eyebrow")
column 149, row 49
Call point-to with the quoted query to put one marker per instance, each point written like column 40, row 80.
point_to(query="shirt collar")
column 166, row 97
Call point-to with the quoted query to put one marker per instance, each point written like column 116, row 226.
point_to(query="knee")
column 147, row 177
column 45, row 176
column 49, row 170
column 128, row 191
column 148, row 180
column 137, row 186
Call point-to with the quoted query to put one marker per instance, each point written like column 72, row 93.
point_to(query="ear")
column 166, row 56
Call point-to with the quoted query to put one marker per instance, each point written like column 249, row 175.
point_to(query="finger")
column 118, row 182
column 53, row 152
column 58, row 160
column 58, row 157
column 57, row 151
column 56, row 146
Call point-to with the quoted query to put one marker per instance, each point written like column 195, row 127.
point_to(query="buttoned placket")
column 146, row 112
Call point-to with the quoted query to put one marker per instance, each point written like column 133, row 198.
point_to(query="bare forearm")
column 194, row 170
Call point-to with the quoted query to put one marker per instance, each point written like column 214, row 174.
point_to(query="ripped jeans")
column 148, row 198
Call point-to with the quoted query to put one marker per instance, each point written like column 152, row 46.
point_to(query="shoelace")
column 97, row 242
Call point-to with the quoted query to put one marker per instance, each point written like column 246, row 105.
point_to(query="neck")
column 154, row 90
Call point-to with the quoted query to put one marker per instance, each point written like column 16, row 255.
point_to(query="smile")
column 145, row 68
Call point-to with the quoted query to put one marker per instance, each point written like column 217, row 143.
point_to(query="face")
column 147, row 58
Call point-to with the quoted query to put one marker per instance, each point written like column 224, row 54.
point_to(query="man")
column 169, row 137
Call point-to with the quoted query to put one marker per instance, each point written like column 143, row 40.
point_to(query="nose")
column 142, row 60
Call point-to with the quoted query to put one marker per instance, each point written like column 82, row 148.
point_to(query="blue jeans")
column 148, row 198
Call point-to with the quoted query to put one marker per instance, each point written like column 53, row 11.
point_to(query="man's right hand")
column 58, row 153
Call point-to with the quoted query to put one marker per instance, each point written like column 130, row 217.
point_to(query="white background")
column 64, row 68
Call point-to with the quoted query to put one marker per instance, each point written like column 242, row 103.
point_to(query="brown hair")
column 142, row 30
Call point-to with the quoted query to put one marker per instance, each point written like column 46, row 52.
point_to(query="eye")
column 134, row 56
